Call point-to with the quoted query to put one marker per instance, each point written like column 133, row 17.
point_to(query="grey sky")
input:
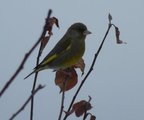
column 117, row 82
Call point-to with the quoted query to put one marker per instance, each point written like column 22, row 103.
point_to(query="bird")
column 67, row 52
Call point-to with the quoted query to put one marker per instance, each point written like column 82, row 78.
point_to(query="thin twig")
column 88, row 73
column 85, row 115
column 27, row 101
column 62, row 105
column 38, row 58
column 63, row 97
column 34, row 83
column 21, row 66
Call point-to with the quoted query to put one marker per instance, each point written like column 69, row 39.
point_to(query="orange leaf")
column 80, row 64
column 66, row 79
column 81, row 107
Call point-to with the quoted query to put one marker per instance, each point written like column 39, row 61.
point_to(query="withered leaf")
column 51, row 22
column 44, row 42
column 117, row 34
column 56, row 21
column 80, row 64
column 66, row 79
column 81, row 107
column 93, row 117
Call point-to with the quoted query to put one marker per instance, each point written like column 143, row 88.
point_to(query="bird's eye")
column 81, row 29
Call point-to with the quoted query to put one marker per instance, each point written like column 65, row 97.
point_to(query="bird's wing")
column 62, row 46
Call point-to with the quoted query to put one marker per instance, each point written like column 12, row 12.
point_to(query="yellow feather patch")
column 55, row 56
column 50, row 59
column 68, row 47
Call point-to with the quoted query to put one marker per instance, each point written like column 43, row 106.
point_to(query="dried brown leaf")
column 66, row 79
column 44, row 42
column 80, row 64
column 117, row 34
column 56, row 21
column 81, row 107
column 52, row 21
column 93, row 117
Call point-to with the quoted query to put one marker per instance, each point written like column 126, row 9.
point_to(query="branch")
column 21, row 66
column 27, row 101
column 90, row 70
column 63, row 98
column 62, row 105
column 45, row 29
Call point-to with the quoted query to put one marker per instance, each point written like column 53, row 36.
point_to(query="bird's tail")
column 36, row 69
column 30, row 74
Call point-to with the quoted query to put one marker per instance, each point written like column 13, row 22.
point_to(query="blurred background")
column 116, row 84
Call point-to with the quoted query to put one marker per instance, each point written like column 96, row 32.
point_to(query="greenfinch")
column 67, row 52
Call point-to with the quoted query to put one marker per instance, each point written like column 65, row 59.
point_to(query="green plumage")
column 67, row 51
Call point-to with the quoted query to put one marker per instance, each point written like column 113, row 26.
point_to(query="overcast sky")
column 116, row 84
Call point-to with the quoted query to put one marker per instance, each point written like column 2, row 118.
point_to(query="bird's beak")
column 86, row 32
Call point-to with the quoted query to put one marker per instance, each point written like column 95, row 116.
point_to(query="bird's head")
column 79, row 28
